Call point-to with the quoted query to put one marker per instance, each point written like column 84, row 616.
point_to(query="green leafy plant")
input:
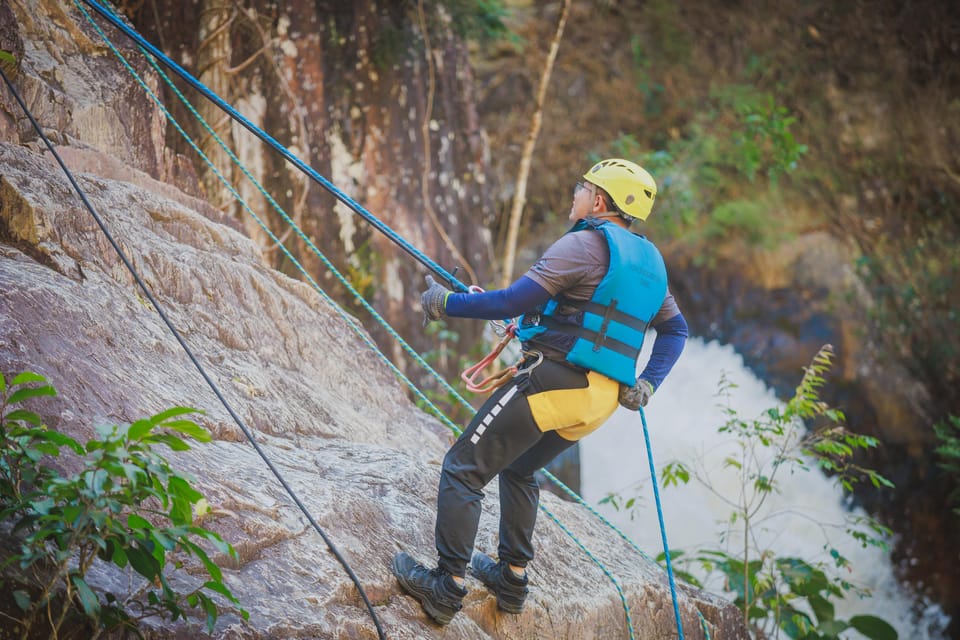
column 361, row 272
column 761, row 138
column 480, row 20
column 745, row 218
column 914, row 285
column 948, row 432
column 785, row 596
column 629, row 502
column 446, row 356
column 708, row 173
column 125, row 505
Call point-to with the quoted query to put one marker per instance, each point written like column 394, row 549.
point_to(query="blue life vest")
column 605, row 333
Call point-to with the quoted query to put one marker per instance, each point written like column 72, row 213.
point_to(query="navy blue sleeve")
column 671, row 338
column 522, row 296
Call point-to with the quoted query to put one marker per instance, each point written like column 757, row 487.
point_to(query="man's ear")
column 599, row 204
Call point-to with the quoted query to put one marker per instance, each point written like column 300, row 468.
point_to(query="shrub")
column 948, row 452
column 126, row 506
column 712, row 169
column 784, row 596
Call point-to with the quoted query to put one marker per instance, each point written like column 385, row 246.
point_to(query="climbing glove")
column 636, row 396
column 434, row 301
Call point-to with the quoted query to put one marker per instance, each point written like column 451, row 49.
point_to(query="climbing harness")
column 153, row 54
column 495, row 380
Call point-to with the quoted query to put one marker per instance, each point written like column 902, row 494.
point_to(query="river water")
column 683, row 418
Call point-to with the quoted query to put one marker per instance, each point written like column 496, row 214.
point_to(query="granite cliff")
column 342, row 431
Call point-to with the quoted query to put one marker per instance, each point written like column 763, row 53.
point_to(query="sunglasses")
column 581, row 185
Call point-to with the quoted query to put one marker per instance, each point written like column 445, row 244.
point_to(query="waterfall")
column 683, row 418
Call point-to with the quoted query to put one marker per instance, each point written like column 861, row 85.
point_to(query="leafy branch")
column 948, row 432
column 126, row 506
column 784, row 596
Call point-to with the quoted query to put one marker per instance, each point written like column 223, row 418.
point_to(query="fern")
column 949, row 453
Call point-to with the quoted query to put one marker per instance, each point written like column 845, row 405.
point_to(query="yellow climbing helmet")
column 633, row 189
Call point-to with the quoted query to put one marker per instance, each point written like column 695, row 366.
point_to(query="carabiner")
column 533, row 366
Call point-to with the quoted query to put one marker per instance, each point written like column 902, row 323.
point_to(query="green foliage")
column 798, row 592
column 126, row 506
column 629, row 503
column 744, row 218
column 667, row 31
column 480, row 20
column 915, row 288
column 445, row 356
column 948, row 432
column 762, row 140
column 784, row 596
column 651, row 90
column 741, row 135
column 362, row 269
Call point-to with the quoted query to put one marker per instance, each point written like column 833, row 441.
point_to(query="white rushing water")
column 683, row 418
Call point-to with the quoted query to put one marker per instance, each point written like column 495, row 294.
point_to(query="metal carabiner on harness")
column 530, row 367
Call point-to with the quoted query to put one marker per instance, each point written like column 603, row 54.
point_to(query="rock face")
column 376, row 96
column 322, row 405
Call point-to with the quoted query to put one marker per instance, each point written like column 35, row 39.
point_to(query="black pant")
column 503, row 438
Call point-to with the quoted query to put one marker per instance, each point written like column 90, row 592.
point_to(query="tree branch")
column 520, row 193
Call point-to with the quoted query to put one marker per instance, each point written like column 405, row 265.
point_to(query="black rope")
column 196, row 363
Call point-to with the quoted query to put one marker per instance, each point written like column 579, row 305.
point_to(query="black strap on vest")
column 599, row 339
column 606, row 311
column 593, row 336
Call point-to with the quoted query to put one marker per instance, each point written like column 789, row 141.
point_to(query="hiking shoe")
column 440, row 596
column 510, row 589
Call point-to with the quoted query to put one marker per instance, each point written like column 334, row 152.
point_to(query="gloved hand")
column 636, row 396
column 434, row 301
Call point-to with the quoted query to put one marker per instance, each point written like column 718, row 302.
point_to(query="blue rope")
column 279, row 148
column 663, row 529
column 147, row 50
column 350, row 320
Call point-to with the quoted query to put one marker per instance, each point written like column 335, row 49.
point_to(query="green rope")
column 350, row 320
column 703, row 625
column 613, row 579
column 347, row 317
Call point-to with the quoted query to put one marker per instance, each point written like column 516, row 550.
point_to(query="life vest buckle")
column 602, row 334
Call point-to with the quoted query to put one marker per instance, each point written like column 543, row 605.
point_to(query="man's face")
column 584, row 196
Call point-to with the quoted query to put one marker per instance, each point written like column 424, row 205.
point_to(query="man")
column 586, row 304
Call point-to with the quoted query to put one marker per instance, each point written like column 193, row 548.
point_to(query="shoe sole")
column 438, row 616
column 509, row 608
